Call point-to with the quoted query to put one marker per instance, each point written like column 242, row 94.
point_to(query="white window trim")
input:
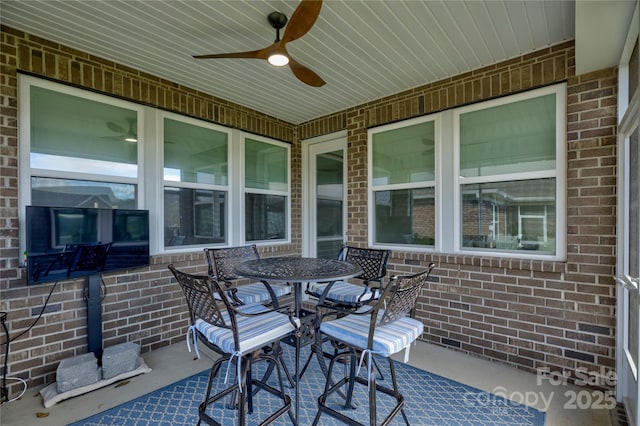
column 448, row 182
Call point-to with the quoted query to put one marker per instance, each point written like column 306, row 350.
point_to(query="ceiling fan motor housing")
column 277, row 20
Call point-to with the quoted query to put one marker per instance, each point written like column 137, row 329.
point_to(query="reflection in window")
column 195, row 184
column 634, row 322
column 266, row 190
column 329, row 203
column 82, row 193
column 74, row 134
column 633, row 250
column 194, row 154
column 194, row 216
column 511, row 138
column 405, row 216
column 404, row 155
column 509, row 172
column 266, row 166
column 329, row 228
column 265, row 217
column 64, row 163
column 403, row 183
column 510, row 216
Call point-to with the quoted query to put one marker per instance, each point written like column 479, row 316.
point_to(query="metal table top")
column 297, row 269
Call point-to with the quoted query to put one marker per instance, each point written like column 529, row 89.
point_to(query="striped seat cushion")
column 387, row 340
column 344, row 292
column 254, row 332
column 250, row 294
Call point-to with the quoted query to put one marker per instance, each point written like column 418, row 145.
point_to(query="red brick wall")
column 527, row 313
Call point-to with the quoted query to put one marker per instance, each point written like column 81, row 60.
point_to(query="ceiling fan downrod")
column 278, row 21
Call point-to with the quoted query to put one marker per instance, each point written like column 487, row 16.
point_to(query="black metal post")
column 94, row 315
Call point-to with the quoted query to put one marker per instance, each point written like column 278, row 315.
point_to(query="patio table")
column 295, row 271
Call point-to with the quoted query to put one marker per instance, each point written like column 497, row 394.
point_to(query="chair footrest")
column 203, row 416
column 323, row 408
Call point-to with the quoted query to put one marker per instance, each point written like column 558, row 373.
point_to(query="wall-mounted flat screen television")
column 69, row 242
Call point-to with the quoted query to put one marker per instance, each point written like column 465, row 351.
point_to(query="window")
column 508, row 152
column 195, row 183
column 488, row 177
column 83, row 150
column 203, row 184
column 403, row 183
column 266, row 189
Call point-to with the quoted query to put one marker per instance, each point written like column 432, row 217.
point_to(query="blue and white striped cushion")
column 253, row 293
column 247, row 309
column 387, row 340
column 344, row 292
column 254, row 332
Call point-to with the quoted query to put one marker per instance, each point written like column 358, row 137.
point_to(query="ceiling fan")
column 301, row 22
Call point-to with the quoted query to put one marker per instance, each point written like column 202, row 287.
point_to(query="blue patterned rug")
column 430, row 400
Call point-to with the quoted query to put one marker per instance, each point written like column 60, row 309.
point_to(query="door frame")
column 308, row 191
column 627, row 374
column 628, row 385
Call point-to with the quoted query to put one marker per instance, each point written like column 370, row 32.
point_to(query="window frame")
column 449, row 184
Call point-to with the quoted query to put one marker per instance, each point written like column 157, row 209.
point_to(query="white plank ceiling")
column 363, row 49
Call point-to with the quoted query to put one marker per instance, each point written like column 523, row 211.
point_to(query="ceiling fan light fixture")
column 278, row 60
column 302, row 19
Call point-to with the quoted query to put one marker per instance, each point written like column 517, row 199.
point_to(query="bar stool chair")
column 346, row 294
column 221, row 261
column 373, row 332
column 238, row 336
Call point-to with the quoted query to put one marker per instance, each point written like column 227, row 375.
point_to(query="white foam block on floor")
column 52, row 397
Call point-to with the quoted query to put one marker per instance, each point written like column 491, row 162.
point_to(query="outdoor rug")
column 429, row 400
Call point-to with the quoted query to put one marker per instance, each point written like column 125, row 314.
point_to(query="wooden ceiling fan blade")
column 305, row 74
column 302, row 19
column 254, row 54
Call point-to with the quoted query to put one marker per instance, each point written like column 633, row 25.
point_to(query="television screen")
column 69, row 242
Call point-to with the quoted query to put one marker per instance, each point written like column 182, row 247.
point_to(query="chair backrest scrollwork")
column 372, row 261
column 221, row 261
column 404, row 293
column 197, row 290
